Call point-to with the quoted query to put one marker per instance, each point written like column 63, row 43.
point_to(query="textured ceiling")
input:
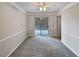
column 32, row 6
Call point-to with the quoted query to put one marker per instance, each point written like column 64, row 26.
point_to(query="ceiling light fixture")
column 41, row 9
column 42, row 6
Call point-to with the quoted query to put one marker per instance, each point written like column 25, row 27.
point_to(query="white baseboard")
column 5, row 43
column 15, row 48
column 70, row 48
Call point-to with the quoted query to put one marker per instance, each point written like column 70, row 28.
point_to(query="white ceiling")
column 32, row 6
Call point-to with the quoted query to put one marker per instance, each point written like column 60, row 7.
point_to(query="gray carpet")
column 42, row 46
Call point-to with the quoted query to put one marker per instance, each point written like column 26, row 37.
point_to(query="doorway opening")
column 41, row 26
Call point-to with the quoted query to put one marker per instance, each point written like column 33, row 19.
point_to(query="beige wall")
column 13, row 28
column 70, row 28
column 52, row 22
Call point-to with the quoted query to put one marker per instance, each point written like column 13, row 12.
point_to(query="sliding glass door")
column 41, row 26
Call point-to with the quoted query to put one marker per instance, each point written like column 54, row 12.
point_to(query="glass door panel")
column 41, row 26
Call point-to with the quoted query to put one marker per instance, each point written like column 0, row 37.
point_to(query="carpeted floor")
column 42, row 46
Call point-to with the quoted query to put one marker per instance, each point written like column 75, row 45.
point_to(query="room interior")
column 58, row 34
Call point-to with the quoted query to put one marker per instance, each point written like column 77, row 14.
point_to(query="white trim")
column 16, row 6
column 70, row 34
column 30, row 35
column 6, row 38
column 69, row 48
column 41, row 14
column 68, row 6
column 15, row 47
